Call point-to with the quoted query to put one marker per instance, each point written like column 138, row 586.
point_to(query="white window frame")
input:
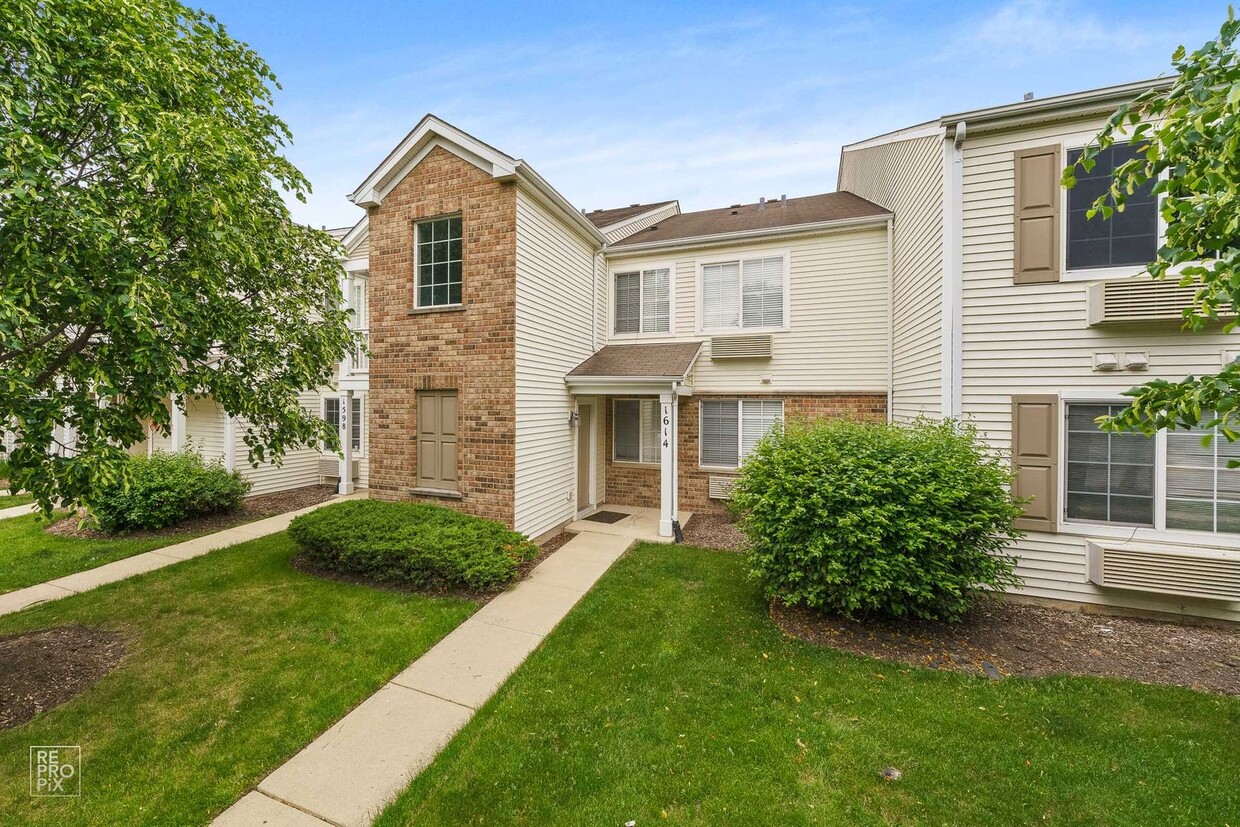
column 359, row 421
column 700, row 265
column 1121, row 271
column 417, row 305
column 1158, row 533
column 740, row 428
column 642, row 400
column 641, row 270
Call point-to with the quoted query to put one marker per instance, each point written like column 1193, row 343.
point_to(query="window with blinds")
column 635, row 430
column 1203, row 494
column 331, row 414
column 729, row 429
column 748, row 293
column 643, row 301
column 1110, row 475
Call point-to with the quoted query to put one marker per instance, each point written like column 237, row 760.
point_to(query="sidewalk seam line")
column 287, row 803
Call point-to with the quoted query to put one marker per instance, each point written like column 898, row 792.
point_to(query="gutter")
column 787, row 231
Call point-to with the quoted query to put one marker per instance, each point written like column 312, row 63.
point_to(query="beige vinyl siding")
column 1032, row 339
column 299, row 467
column 837, row 338
column 906, row 177
column 638, row 223
column 362, row 251
column 555, row 272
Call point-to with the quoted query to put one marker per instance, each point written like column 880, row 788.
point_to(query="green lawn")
column 29, row 555
column 12, row 500
column 236, row 662
column 668, row 697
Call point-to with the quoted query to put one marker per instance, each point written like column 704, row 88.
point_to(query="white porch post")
column 346, row 443
column 667, row 463
column 178, row 423
column 346, row 289
column 230, row 443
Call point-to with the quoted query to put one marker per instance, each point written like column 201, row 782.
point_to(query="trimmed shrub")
column 412, row 544
column 167, row 488
column 867, row 519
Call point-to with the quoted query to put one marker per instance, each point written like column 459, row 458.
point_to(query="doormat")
column 608, row 517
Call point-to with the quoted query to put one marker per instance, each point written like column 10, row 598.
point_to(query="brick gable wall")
column 471, row 350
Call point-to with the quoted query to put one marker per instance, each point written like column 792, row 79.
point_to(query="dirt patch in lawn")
column 715, row 531
column 44, row 669
column 999, row 638
column 303, row 564
column 252, row 508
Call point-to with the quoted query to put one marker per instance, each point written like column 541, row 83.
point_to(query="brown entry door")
column 585, row 456
column 437, row 458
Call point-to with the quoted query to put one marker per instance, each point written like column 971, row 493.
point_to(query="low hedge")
column 167, row 488
column 875, row 519
column 412, row 544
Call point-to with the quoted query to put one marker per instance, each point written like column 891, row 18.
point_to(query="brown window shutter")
column 1037, row 215
column 437, row 457
column 1035, row 459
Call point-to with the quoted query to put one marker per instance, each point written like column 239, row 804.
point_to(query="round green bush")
column 167, row 488
column 868, row 519
column 413, row 544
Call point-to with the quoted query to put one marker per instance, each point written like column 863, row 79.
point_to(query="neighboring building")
column 1043, row 319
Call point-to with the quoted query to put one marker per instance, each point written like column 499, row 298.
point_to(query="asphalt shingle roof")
column 671, row 360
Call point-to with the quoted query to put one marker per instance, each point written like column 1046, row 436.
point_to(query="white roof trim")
column 1058, row 107
column 761, row 234
column 358, row 233
column 929, row 129
column 674, row 205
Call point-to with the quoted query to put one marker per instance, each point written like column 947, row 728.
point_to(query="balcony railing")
column 359, row 362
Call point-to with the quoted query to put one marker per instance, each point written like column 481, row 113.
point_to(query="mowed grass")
column 29, row 555
column 11, row 500
column 668, row 697
column 236, row 661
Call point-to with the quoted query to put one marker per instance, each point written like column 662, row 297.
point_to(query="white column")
column 349, row 365
column 178, row 423
column 667, row 462
column 230, row 442
column 346, row 443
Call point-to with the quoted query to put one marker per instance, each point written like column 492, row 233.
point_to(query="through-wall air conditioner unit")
column 754, row 346
column 720, row 488
column 330, row 467
column 1210, row 574
column 1138, row 300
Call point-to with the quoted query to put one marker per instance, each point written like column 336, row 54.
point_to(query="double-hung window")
column 643, row 301
column 437, row 262
column 1167, row 481
column 635, row 431
column 1127, row 238
column 743, row 294
column 331, row 413
column 730, row 428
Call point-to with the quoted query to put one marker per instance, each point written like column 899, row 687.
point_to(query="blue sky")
column 712, row 103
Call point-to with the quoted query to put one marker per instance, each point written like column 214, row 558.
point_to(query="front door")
column 585, row 457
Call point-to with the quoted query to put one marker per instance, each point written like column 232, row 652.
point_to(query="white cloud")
column 1025, row 31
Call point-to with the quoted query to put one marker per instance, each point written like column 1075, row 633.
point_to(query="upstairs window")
column 438, row 262
column 747, row 293
column 1126, row 238
column 643, row 301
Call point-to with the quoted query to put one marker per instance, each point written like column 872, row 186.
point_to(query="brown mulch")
column 44, row 669
column 999, row 638
column 548, row 547
column 714, row 531
column 252, row 508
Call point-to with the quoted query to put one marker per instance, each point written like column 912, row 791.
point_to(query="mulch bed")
column 548, row 547
column 44, row 669
column 714, row 531
column 999, row 638
column 252, row 508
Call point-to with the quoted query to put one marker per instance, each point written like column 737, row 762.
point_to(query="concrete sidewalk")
column 347, row 775
column 82, row 581
column 16, row 510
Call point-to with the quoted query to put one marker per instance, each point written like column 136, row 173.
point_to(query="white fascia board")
column 929, row 129
column 550, row 197
column 762, row 234
column 356, row 265
column 634, row 385
column 673, row 205
column 358, row 233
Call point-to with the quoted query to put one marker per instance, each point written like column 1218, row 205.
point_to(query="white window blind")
column 656, row 300
column 730, row 429
column 635, row 426
column 331, row 414
column 721, row 295
column 758, row 417
column 1203, row 494
column 762, row 292
column 628, row 302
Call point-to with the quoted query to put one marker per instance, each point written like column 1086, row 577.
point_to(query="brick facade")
column 471, row 350
column 639, row 485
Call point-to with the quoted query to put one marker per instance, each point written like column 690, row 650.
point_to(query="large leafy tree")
column 145, row 250
column 1188, row 139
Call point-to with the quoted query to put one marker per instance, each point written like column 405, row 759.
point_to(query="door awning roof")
column 636, row 368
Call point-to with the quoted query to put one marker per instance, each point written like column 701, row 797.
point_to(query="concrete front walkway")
column 81, row 581
column 16, row 510
column 348, row 774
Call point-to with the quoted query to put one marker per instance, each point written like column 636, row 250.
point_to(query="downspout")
column 891, row 321
column 952, row 299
